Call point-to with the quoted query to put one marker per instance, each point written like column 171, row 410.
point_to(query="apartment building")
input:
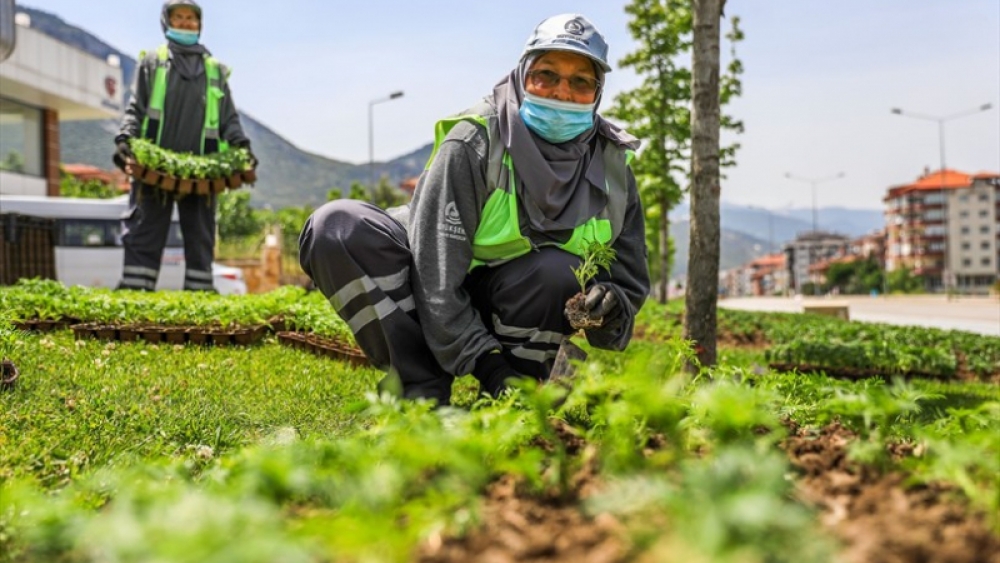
column 42, row 81
column 808, row 249
column 945, row 227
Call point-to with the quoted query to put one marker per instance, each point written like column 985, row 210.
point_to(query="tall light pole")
column 814, row 182
column 941, row 119
column 371, row 134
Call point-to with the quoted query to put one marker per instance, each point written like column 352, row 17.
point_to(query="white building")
column 42, row 82
column 974, row 226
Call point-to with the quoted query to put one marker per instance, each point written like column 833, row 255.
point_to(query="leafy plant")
column 597, row 255
column 188, row 165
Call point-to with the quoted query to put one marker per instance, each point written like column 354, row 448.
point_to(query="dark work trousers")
column 144, row 235
column 359, row 257
column 521, row 303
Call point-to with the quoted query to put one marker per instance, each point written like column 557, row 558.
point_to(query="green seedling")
column 597, row 255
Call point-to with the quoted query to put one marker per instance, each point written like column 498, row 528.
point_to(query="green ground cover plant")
column 136, row 452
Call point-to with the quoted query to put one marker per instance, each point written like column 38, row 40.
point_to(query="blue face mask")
column 556, row 121
column 182, row 36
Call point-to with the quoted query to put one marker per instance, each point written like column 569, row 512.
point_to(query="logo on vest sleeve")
column 452, row 227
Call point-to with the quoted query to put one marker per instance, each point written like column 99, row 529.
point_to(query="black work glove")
column 123, row 154
column 601, row 302
column 493, row 371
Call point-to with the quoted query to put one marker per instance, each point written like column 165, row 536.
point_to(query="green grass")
column 84, row 404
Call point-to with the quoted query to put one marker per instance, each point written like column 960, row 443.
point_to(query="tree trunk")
column 664, row 247
column 701, row 300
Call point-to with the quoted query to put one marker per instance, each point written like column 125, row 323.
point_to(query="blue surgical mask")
column 182, row 36
column 554, row 120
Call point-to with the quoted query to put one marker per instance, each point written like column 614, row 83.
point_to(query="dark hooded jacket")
column 184, row 107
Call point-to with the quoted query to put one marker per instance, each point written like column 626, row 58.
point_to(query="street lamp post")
column 940, row 120
column 371, row 134
column 814, row 182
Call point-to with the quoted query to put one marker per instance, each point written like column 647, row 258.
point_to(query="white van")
column 88, row 248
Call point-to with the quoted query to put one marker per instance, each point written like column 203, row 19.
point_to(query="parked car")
column 88, row 248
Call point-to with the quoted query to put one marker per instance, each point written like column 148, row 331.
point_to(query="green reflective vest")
column 499, row 236
column 151, row 129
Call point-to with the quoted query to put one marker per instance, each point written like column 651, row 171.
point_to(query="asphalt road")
column 973, row 314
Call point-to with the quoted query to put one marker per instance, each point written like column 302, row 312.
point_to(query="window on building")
column 963, row 214
column 966, row 246
column 984, row 212
column 984, row 229
column 932, row 199
column 966, row 262
column 984, row 196
column 985, row 262
column 963, row 198
column 933, row 215
column 20, row 138
column 965, row 230
column 985, row 245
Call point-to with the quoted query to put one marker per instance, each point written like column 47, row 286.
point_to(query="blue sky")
column 821, row 78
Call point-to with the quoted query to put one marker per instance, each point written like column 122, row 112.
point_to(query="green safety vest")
column 151, row 129
column 498, row 237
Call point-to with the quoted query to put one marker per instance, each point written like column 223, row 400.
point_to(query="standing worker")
column 181, row 102
column 476, row 279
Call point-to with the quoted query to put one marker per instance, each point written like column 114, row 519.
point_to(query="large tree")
column 659, row 113
column 701, row 301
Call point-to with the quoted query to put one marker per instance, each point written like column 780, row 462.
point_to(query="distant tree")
column 359, row 191
column 235, row 216
column 902, row 280
column 334, row 193
column 659, row 113
column 386, row 195
column 859, row 277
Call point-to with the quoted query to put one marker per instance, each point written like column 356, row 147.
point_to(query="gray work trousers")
column 359, row 257
column 144, row 236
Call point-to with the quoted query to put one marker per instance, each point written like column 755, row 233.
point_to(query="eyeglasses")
column 547, row 79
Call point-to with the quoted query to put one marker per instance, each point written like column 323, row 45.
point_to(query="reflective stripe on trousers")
column 523, row 301
column 359, row 258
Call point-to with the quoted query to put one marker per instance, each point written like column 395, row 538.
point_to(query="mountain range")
column 290, row 176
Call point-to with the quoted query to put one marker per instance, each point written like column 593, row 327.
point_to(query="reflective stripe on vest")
column 151, row 123
column 498, row 236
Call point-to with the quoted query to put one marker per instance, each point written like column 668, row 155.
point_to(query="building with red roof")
column 945, row 226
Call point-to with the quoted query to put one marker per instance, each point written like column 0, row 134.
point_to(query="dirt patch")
column 876, row 516
column 743, row 339
column 521, row 526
